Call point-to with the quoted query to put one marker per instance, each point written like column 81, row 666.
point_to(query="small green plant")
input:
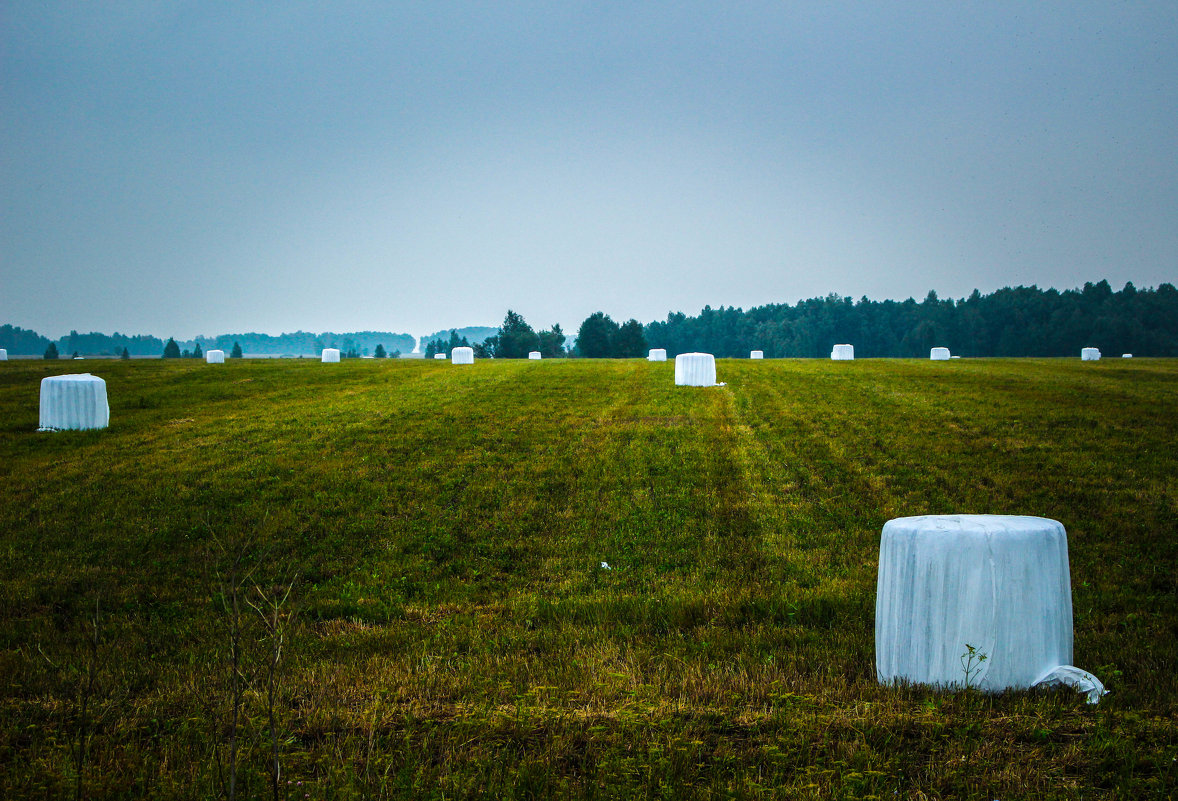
column 971, row 664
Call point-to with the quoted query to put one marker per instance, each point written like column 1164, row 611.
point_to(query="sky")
column 198, row 168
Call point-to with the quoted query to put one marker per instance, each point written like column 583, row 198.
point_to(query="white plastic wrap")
column 939, row 354
column 657, row 355
column 757, row 354
column 329, row 355
column 535, row 355
column 843, row 353
column 72, row 402
column 439, row 355
column 695, row 370
column 1090, row 354
column 3, row 355
column 998, row 584
column 214, row 357
column 1123, row 355
column 462, row 356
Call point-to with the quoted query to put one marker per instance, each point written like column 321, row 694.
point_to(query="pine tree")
column 236, row 352
column 51, row 352
column 125, row 355
column 379, row 352
column 196, row 353
column 171, row 349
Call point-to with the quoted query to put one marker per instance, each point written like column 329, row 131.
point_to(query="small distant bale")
column 1123, row 355
column 73, row 403
column 3, row 355
column 462, row 356
column 843, row 353
column 1090, row 354
column 657, row 355
column 695, row 370
column 439, row 356
column 939, row 354
column 757, row 354
column 535, row 355
column 215, row 357
column 329, row 355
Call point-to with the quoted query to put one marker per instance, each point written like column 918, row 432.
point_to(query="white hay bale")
column 757, row 354
column 214, row 357
column 3, row 355
column 535, row 355
column 657, row 355
column 462, row 356
column 1090, row 354
column 695, row 370
column 1123, row 355
column 939, row 354
column 997, row 583
column 73, row 402
column 843, row 353
column 329, row 355
column 439, row 355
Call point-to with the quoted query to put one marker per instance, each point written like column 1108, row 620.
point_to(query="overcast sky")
column 183, row 168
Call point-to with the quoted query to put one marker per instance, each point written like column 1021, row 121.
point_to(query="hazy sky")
column 183, row 168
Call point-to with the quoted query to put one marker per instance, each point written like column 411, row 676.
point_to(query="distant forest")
column 1023, row 321
column 1019, row 321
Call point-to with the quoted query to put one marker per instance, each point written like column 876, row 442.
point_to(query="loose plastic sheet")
column 72, row 402
column 843, row 353
column 998, row 584
column 757, row 354
column 439, row 355
column 329, row 355
column 535, row 354
column 657, row 355
column 1090, row 354
column 462, row 356
column 939, row 354
column 695, row 370
column 215, row 357
column 3, row 355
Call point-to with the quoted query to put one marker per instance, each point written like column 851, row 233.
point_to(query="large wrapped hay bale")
column 980, row 601
column 535, row 355
column 214, row 357
column 657, row 355
column 939, row 354
column 695, row 370
column 3, row 355
column 73, row 402
column 1090, row 354
column 757, row 354
column 462, row 356
column 843, row 353
column 329, row 356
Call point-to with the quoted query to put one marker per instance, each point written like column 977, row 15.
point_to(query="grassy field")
column 388, row 578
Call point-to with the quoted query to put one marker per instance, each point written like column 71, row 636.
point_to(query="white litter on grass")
column 605, row 566
column 329, row 355
column 657, row 355
column 757, row 354
column 843, row 353
column 695, row 370
column 73, row 402
column 535, row 355
column 939, row 354
column 215, row 357
column 980, row 601
column 462, row 356
column 1090, row 354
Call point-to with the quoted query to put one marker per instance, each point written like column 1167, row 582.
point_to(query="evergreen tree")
column 236, row 352
column 171, row 349
column 51, row 352
column 630, row 343
column 595, row 338
column 552, row 342
column 125, row 355
column 197, row 353
column 379, row 352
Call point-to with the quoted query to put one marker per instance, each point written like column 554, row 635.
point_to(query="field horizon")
column 566, row 578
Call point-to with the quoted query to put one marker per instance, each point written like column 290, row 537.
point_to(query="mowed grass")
column 450, row 630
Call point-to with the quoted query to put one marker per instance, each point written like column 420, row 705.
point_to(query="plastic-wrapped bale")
column 3, row 355
column 439, row 355
column 657, row 355
column 757, row 354
column 843, row 353
column 939, row 354
column 1090, row 354
column 1123, row 355
column 695, row 370
column 462, row 356
column 982, row 601
column 329, row 355
column 73, row 402
column 535, row 355
column 214, row 357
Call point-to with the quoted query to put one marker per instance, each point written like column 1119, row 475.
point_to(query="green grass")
column 451, row 632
